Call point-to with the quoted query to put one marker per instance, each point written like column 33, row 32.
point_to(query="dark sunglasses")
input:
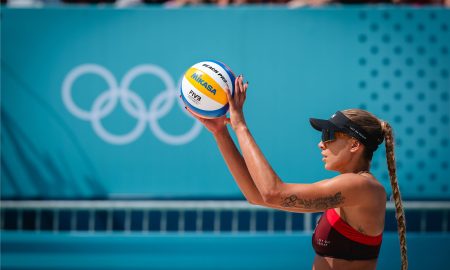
column 328, row 135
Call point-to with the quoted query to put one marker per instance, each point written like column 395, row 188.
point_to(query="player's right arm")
column 237, row 167
column 233, row 158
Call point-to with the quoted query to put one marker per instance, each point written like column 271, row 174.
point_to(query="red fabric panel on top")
column 348, row 231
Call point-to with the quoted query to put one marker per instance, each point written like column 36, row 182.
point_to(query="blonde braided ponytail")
column 399, row 213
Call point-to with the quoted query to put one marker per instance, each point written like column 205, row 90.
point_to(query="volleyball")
column 203, row 88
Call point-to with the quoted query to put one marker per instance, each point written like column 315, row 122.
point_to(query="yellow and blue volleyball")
column 203, row 88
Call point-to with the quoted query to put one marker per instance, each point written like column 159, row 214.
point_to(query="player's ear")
column 355, row 145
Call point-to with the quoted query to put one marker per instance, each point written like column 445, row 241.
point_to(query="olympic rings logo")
column 133, row 104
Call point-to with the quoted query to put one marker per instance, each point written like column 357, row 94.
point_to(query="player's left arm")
column 341, row 191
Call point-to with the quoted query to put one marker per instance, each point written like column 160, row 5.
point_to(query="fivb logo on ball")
column 203, row 88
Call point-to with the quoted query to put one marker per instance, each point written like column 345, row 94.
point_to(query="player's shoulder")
column 361, row 180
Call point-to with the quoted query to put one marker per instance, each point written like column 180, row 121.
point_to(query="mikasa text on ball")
column 203, row 88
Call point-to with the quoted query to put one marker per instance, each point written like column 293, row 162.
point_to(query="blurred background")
column 102, row 168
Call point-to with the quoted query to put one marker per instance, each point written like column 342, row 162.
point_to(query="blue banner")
column 90, row 107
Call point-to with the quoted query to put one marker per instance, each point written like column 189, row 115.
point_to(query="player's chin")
column 328, row 165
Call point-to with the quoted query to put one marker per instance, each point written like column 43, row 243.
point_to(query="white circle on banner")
column 133, row 104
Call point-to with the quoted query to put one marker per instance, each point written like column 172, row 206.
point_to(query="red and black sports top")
column 333, row 237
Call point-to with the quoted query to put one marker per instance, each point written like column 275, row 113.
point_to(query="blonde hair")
column 382, row 130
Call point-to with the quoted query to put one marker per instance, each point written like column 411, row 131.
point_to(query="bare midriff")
column 327, row 263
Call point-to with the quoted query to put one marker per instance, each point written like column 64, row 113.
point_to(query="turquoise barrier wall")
column 197, row 251
column 66, row 134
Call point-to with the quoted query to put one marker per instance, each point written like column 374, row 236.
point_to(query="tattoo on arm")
column 317, row 203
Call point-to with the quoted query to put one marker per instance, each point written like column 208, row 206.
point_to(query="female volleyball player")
column 349, row 233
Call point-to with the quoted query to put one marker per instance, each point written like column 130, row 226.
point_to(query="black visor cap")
column 327, row 128
column 339, row 122
column 321, row 124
